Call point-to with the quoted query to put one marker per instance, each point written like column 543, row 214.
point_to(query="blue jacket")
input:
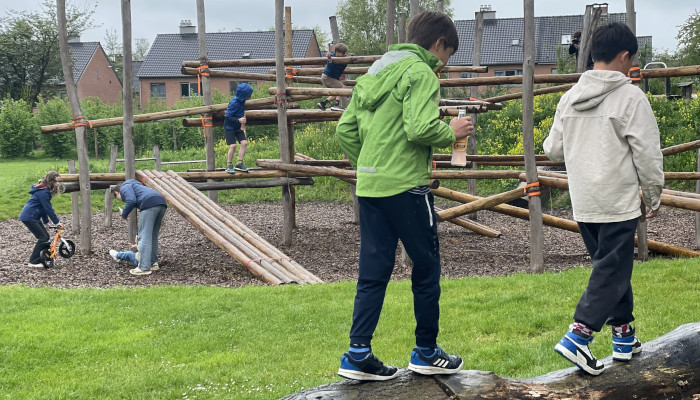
column 236, row 107
column 38, row 207
column 134, row 194
column 334, row 70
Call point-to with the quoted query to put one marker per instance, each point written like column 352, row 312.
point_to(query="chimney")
column 186, row 27
column 73, row 38
column 488, row 13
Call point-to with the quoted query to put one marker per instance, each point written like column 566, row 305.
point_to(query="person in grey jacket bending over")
column 605, row 131
column 152, row 207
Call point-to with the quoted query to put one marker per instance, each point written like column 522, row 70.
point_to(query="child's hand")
column 242, row 120
column 462, row 127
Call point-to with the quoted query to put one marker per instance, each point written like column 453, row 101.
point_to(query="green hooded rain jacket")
column 391, row 125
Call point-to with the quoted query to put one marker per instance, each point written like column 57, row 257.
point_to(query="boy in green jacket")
column 388, row 132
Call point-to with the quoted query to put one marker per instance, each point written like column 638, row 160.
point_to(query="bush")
column 18, row 130
column 51, row 112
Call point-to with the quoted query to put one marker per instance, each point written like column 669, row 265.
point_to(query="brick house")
column 502, row 43
column 160, row 75
column 93, row 73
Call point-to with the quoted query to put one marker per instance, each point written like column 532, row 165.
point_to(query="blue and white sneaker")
column 438, row 363
column 574, row 347
column 367, row 369
column 625, row 345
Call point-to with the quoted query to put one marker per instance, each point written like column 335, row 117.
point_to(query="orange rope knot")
column 635, row 73
column 291, row 72
column 202, row 70
column 532, row 189
column 77, row 124
column 267, row 259
column 207, row 122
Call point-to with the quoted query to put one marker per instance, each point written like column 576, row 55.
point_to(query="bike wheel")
column 46, row 259
column 67, row 248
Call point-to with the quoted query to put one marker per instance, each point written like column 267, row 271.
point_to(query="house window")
column 187, row 88
column 158, row 90
column 233, row 85
column 508, row 72
column 465, row 75
column 553, row 71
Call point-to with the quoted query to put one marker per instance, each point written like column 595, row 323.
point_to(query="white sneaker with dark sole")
column 138, row 271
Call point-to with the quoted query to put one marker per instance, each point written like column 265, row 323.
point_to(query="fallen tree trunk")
column 667, row 368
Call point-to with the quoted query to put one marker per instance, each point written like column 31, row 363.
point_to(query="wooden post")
column 535, row 205
column 156, row 155
column 697, row 214
column 206, row 93
column 109, row 198
column 128, row 117
column 75, row 203
column 474, row 92
column 335, row 36
column 402, row 27
column 414, row 8
column 390, row 23
column 80, row 134
column 286, row 152
column 288, row 32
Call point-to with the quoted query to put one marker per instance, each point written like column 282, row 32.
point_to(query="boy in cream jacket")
column 605, row 131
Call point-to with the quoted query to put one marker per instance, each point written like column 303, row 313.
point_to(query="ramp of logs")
column 250, row 250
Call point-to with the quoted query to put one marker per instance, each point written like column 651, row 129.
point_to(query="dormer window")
column 246, row 55
column 515, row 42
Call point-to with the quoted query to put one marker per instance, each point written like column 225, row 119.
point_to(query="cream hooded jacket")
column 606, row 133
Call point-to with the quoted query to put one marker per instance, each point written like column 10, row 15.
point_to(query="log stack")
column 250, row 250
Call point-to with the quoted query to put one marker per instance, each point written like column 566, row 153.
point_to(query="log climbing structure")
column 252, row 251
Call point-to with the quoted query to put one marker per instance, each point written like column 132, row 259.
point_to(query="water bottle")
column 459, row 147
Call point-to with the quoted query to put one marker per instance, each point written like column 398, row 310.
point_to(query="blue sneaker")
column 229, row 169
column 625, row 345
column 438, row 363
column 574, row 347
column 367, row 369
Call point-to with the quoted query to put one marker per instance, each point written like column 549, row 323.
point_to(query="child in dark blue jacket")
column 38, row 210
column 152, row 207
column 234, row 127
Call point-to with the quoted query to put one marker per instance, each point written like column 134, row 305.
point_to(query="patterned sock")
column 581, row 328
column 427, row 351
column 625, row 328
column 359, row 351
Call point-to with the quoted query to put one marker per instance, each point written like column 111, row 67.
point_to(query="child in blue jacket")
column 152, row 207
column 37, row 211
column 234, row 127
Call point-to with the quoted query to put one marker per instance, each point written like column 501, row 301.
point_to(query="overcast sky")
column 660, row 19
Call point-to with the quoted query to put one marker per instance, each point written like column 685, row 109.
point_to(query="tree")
column 362, row 23
column 29, row 57
column 18, row 130
column 689, row 40
column 141, row 49
column 114, row 49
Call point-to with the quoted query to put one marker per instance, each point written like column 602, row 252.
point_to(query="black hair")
column 611, row 39
column 429, row 26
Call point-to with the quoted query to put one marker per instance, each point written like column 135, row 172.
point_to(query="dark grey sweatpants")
column 608, row 297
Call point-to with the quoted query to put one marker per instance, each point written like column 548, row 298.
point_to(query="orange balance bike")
column 60, row 246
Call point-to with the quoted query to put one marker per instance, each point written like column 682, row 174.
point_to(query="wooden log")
column 667, row 368
column 481, row 158
column 307, row 169
column 275, row 182
column 258, row 77
column 473, row 226
column 679, row 148
column 248, row 234
column 556, row 222
column 363, row 70
column 481, row 204
column 537, row 92
column 682, row 194
column 212, row 234
column 287, row 61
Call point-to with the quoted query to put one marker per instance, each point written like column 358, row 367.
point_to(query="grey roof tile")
column 499, row 34
column 135, row 67
column 82, row 53
column 169, row 50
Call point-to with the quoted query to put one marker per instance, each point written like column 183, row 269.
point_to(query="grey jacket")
column 605, row 131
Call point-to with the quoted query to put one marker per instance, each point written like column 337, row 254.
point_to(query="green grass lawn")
column 267, row 342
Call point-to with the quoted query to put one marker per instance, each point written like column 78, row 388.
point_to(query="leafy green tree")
column 30, row 63
column 689, row 40
column 18, row 130
column 362, row 23
column 51, row 112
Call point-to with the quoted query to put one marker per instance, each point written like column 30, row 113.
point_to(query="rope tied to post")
column 532, row 189
column 281, row 98
column 202, row 70
column 635, row 73
column 77, row 122
column 290, row 72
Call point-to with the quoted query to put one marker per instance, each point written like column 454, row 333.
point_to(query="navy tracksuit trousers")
column 383, row 221
column 608, row 297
